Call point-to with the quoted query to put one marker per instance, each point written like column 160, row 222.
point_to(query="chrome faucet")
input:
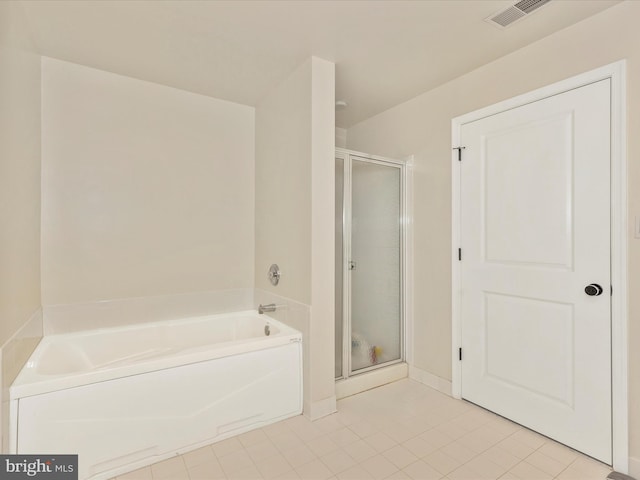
column 270, row 307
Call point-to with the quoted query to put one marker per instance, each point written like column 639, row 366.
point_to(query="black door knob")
column 593, row 290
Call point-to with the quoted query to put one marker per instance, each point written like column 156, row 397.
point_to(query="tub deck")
column 74, row 359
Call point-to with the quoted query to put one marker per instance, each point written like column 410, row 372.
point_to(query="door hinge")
column 459, row 149
column 460, row 354
column 612, row 290
column 459, row 254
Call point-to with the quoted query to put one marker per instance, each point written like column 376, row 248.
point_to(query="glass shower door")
column 369, row 237
column 374, row 264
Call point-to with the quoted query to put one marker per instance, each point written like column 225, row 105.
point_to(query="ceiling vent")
column 507, row 17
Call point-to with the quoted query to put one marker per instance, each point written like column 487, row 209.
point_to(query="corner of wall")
column 14, row 353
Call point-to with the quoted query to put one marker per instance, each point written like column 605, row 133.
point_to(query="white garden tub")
column 126, row 397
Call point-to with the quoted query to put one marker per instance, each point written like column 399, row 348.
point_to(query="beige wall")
column 19, row 172
column 146, row 190
column 20, row 314
column 295, row 144
column 422, row 126
column 283, row 186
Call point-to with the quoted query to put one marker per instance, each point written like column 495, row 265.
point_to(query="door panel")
column 536, row 196
column 535, row 216
column 375, row 253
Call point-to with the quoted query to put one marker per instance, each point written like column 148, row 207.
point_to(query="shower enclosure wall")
column 370, row 216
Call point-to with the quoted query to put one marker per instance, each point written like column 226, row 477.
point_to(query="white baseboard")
column 429, row 379
column 322, row 408
column 634, row 467
column 369, row 380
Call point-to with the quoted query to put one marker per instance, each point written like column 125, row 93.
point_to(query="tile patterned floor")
column 403, row 430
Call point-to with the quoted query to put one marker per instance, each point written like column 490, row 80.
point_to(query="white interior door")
column 535, row 231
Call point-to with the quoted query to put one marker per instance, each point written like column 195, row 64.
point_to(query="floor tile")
column 235, row 461
column 207, row 471
column 140, row 474
column 343, row 436
column 338, row 461
column 360, row 450
column 363, row 428
column 400, row 456
column 299, row 456
column 526, row 471
column 275, row 429
column 501, row 457
column 251, row 438
column 314, row 470
column 328, row 424
column 516, row 448
column 420, row 470
column 458, row 452
column 379, row 467
column 250, row 473
column 224, row 447
column 485, row 468
column 400, row 431
column 442, row 462
column 465, row 473
column 559, row 452
column 273, row 466
column 262, row 450
column 171, row 466
column 290, row 475
column 419, row 447
column 286, row 441
column 584, row 468
column 436, row 438
column 380, row 442
column 322, row 445
column 399, row 475
column 545, row 463
column 355, row 473
column 201, row 455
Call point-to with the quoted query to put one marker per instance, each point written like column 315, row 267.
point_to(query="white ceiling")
column 386, row 52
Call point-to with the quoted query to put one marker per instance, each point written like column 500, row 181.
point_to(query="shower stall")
column 369, row 215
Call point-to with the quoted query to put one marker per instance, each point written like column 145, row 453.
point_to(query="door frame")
column 405, row 255
column 616, row 72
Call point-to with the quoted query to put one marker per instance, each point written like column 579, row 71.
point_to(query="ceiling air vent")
column 506, row 17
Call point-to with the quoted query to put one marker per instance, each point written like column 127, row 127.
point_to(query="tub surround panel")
column 13, row 356
column 146, row 190
column 296, row 315
column 128, row 311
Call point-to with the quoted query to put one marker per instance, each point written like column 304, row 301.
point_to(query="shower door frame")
column 346, row 156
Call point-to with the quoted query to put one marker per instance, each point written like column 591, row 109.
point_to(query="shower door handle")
column 352, row 265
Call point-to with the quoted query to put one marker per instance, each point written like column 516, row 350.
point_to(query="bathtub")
column 122, row 398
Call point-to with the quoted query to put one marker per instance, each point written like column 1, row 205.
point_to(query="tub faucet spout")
column 270, row 307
